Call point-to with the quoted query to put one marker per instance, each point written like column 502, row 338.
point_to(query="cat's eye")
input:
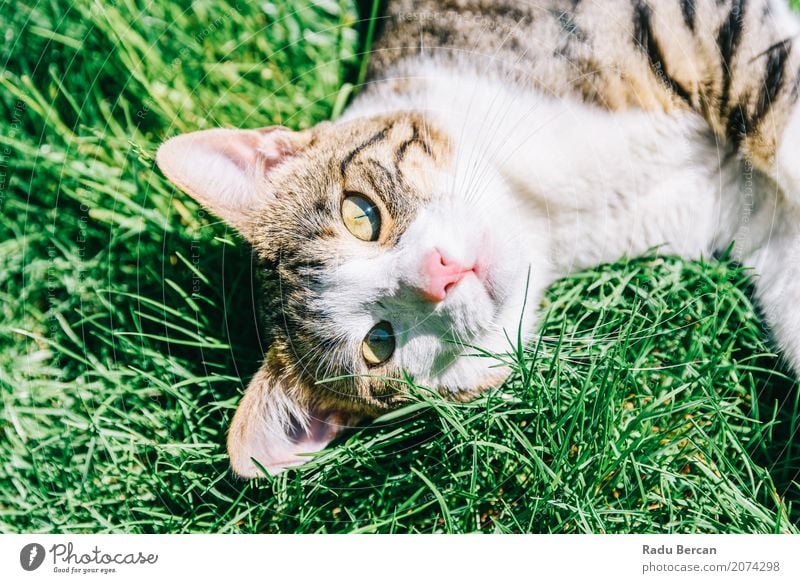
column 361, row 217
column 378, row 344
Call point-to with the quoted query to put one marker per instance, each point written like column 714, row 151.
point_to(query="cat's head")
column 387, row 254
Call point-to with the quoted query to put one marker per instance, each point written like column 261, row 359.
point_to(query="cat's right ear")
column 228, row 170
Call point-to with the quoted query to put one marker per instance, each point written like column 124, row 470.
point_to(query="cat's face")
column 386, row 256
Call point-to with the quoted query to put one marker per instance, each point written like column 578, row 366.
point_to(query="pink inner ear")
column 240, row 153
column 267, row 147
column 228, row 171
column 322, row 428
column 265, row 432
column 274, row 148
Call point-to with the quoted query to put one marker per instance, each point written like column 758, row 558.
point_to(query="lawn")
column 650, row 402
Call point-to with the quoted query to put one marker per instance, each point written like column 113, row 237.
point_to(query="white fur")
column 371, row 285
column 540, row 188
column 788, row 159
column 562, row 186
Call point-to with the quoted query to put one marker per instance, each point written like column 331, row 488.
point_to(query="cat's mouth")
column 480, row 269
column 472, row 305
column 491, row 297
column 483, row 271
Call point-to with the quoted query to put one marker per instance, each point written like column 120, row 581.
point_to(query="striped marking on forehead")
column 419, row 138
column 376, row 138
column 415, row 138
column 377, row 167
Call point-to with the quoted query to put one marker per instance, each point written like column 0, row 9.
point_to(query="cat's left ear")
column 229, row 171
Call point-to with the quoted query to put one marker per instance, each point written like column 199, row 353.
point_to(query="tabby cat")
column 499, row 145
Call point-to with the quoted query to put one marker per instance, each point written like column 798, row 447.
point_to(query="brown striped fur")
column 733, row 60
column 297, row 238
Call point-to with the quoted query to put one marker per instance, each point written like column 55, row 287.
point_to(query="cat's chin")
column 467, row 375
column 482, row 383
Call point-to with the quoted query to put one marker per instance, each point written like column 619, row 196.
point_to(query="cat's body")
column 503, row 144
column 615, row 116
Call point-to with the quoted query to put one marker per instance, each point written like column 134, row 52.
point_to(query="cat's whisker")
column 525, row 144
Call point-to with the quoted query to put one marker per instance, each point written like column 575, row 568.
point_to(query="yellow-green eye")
column 378, row 344
column 361, row 217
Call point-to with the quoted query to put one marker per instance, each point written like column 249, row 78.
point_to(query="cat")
column 498, row 146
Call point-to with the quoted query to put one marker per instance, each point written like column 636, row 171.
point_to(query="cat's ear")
column 228, row 170
column 276, row 423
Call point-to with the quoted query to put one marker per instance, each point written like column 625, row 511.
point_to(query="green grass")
column 650, row 403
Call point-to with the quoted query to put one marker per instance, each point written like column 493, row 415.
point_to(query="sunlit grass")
column 648, row 404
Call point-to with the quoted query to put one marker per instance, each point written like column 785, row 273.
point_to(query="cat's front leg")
column 777, row 266
column 787, row 163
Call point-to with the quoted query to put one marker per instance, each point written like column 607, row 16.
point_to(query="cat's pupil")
column 361, row 217
column 379, row 343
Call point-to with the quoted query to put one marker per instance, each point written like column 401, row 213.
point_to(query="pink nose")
column 439, row 275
